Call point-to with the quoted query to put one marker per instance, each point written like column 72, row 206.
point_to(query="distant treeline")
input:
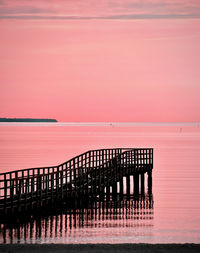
column 26, row 120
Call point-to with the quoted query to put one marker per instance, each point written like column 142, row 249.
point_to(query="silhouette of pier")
column 103, row 173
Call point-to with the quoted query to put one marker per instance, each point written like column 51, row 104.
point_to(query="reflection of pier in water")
column 89, row 175
column 115, row 214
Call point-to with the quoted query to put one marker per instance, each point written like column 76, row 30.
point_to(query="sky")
column 93, row 61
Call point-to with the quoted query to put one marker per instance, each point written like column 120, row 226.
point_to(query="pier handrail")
column 50, row 167
column 15, row 183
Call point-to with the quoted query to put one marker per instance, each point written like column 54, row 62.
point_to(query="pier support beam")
column 136, row 184
column 150, row 182
column 101, row 192
column 114, row 191
column 142, row 183
column 107, row 192
column 128, row 185
column 121, row 186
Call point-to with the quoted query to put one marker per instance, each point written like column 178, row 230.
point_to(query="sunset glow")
column 108, row 61
column 100, row 125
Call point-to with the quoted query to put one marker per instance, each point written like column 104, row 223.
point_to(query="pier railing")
column 85, row 173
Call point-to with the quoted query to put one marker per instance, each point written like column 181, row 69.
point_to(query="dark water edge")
column 97, row 248
column 26, row 120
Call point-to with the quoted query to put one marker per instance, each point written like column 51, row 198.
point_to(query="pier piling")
column 149, row 182
column 142, row 183
column 136, row 184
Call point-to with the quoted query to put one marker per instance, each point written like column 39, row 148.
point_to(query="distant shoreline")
column 97, row 248
column 54, row 122
column 26, row 120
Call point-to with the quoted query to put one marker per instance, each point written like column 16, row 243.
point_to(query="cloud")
column 111, row 17
column 24, row 10
column 104, row 9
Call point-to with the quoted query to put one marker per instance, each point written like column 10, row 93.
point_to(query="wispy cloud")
column 111, row 17
column 104, row 9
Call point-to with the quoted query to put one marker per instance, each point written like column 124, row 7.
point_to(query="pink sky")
column 100, row 60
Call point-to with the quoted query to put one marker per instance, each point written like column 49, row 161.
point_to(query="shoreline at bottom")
column 98, row 248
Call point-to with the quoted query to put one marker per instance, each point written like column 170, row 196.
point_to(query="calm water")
column 172, row 214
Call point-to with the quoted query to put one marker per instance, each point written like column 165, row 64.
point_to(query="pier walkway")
column 95, row 173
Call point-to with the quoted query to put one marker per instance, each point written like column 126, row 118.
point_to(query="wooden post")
column 83, row 174
column 91, row 157
column 5, row 194
column 135, row 160
column 23, row 184
column 150, row 182
column 74, row 174
column 37, row 187
column 19, row 195
column 95, row 174
column 61, row 181
column 131, row 152
column 16, row 179
column 79, row 178
column 70, row 191
column 47, row 187
column 101, row 174
column 114, row 190
column 40, row 189
column 142, row 183
column 32, row 191
column 121, row 186
column 11, row 192
column 82, row 180
column 85, row 178
column 43, row 181
column 107, row 193
column 52, row 186
column 128, row 185
column 57, row 185
column 127, row 170
column 136, row 183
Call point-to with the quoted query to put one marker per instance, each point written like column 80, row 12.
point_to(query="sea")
column 170, row 215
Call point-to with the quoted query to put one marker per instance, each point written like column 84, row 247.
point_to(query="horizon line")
column 101, row 123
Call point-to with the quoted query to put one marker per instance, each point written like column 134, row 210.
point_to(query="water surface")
column 173, row 216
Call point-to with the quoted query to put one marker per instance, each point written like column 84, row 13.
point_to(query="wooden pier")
column 94, row 173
